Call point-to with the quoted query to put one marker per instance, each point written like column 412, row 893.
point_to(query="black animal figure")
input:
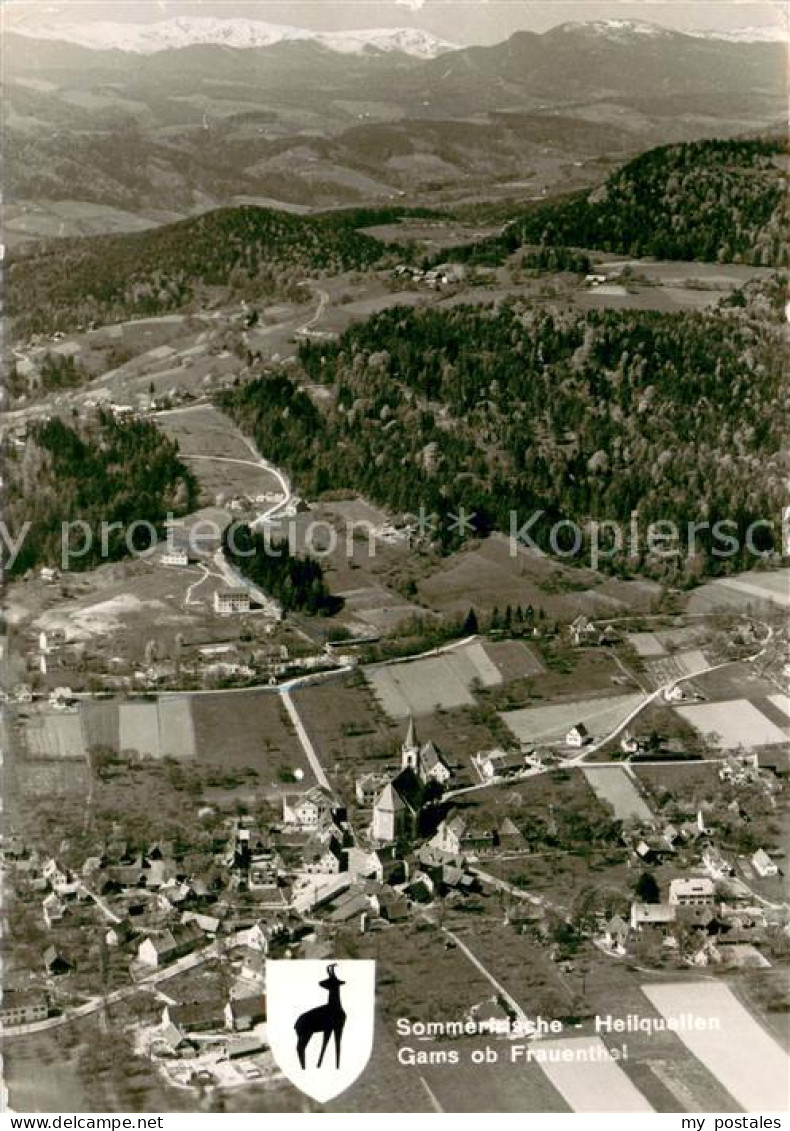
column 326, row 1019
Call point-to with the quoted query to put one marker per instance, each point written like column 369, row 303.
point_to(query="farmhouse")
column 22, row 1007
column 763, row 864
column 309, row 810
column 242, row 1014
column 227, row 601
column 691, row 893
column 715, row 864
column 323, row 857
column 169, row 946
column 195, row 1016
column 500, row 764
column 55, row 962
column 368, row 787
column 577, row 736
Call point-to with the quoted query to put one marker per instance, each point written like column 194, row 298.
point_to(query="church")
column 396, row 811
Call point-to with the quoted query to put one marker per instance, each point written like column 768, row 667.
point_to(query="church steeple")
column 410, row 751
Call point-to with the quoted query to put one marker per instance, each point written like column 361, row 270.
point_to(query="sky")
column 458, row 21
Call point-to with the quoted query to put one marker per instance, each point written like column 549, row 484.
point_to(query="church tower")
column 410, row 751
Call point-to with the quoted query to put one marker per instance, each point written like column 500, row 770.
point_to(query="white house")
column 175, row 556
column 309, row 810
column 692, row 892
column 577, row 736
column 715, row 864
column 227, row 601
column 763, row 864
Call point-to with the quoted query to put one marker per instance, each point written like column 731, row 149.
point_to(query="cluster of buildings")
column 444, row 275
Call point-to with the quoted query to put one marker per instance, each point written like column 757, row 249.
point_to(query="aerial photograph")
column 395, row 654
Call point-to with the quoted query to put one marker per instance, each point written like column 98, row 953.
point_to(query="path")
column 500, row 989
column 304, row 738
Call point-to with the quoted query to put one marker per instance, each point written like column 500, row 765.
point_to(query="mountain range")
column 173, row 34
column 316, row 121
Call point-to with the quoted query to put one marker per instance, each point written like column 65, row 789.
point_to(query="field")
column 488, row 576
column 614, row 786
column 420, row 687
column 589, row 1084
column 749, row 1063
column 551, row 723
column 261, row 736
column 734, row 723
column 55, row 735
column 678, row 666
column 754, row 590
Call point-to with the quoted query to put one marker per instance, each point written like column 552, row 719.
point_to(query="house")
column 170, row 945
column 175, row 556
column 500, row 764
column 323, row 856
column 715, row 864
column 56, row 963
column 309, row 810
column 577, row 736
column 228, row 601
column 367, row 788
column 651, row 915
column 693, row 892
column 424, row 760
column 208, row 924
column 393, row 907
column 58, row 878
column 629, row 744
column 458, row 836
column 582, row 630
column 196, row 1016
column 674, row 694
column 54, row 909
column 120, row 934
column 615, row 936
column 763, row 865
column 241, row 1014
column 23, row 1007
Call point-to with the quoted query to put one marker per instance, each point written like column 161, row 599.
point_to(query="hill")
column 576, row 417
column 712, row 200
column 256, row 251
column 96, row 471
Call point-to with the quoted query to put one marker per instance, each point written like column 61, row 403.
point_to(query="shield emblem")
column 319, row 1022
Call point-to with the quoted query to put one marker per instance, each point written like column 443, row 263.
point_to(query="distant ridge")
column 172, row 34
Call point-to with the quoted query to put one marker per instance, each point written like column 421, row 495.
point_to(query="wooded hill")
column 581, row 415
column 97, row 470
column 722, row 201
column 255, row 252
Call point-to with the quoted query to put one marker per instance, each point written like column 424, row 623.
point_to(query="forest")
column 582, row 416
column 98, row 470
column 715, row 201
column 247, row 251
column 296, row 582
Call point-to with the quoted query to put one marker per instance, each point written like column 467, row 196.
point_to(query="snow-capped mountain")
column 615, row 29
column 171, row 34
column 774, row 33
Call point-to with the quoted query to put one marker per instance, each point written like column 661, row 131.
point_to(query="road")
column 304, row 738
column 500, row 989
column 598, row 744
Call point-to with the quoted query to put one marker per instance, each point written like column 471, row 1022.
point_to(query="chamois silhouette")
column 327, row 1019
